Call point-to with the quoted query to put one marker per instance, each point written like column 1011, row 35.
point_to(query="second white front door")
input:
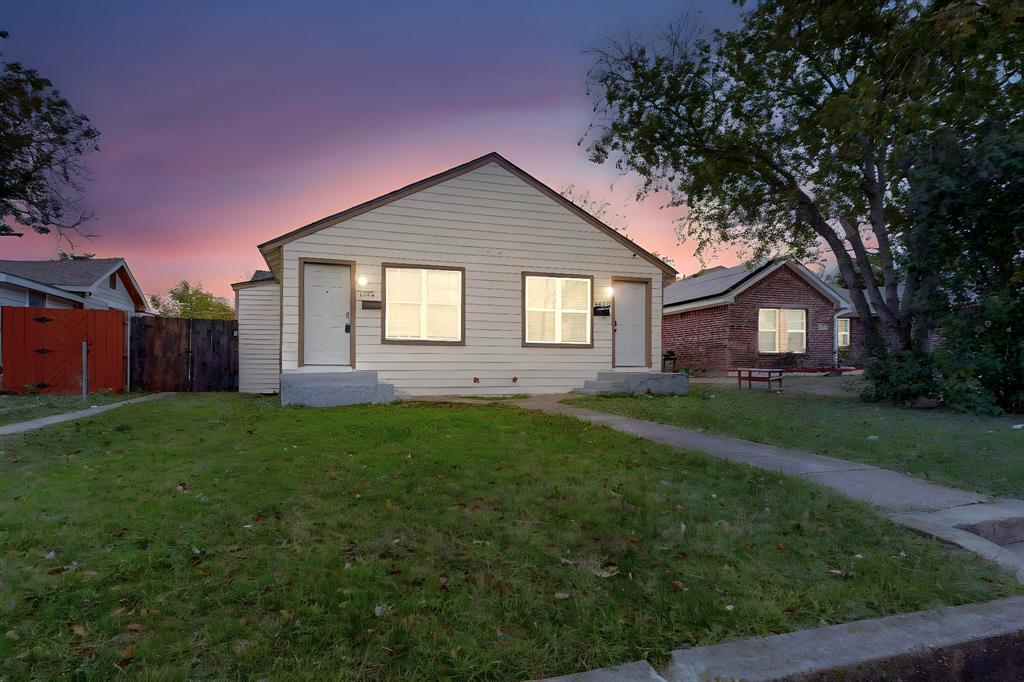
column 327, row 314
column 630, row 324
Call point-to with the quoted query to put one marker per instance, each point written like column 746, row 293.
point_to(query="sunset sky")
column 226, row 124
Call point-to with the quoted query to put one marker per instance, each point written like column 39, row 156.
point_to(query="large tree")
column 799, row 132
column 42, row 142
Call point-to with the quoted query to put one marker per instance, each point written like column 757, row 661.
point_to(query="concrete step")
column 331, row 389
column 647, row 382
column 591, row 387
column 357, row 377
column 621, row 376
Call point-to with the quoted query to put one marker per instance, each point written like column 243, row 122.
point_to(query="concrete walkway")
column 960, row 517
column 976, row 641
column 42, row 422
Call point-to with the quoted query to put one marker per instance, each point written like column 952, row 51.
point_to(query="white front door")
column 630, row 324
column 326, row 313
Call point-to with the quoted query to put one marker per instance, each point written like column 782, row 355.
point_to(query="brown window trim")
column 807, row 333
column 522, row 297
column 302, row 306
column 384, row 306
column 849, row 333
column 647, row 317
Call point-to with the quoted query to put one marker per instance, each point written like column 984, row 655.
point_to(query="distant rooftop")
column 79, row 273
column 710, row 283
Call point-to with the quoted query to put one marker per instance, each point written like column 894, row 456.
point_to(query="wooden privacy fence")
column 42, row 349
column 178, row 354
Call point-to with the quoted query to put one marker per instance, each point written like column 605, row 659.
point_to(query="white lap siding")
column 106, row 298
column 496, row 226
column 258, row 308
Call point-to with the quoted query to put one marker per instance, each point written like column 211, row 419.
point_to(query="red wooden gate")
column 42, row 349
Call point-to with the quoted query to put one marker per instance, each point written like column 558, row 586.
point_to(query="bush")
column 901, row 377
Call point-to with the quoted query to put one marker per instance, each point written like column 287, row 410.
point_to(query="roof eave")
column 53, row 290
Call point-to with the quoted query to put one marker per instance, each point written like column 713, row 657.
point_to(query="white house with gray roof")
column 99, row 283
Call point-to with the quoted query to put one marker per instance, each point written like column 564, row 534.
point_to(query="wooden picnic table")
column 759, row 375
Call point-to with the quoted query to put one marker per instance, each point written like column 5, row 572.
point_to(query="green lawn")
column 20, row 407
column 978, row 453
column 220, row 536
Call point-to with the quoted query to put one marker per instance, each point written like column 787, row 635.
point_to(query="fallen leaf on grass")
column 134, row 627
column 609, row 571
column 181, row 487
column 79, row 629
column 126, row 656
column 678, row 585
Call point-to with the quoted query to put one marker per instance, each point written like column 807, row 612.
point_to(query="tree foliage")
column 42, row 142
column 190, row 300
column 799, row 132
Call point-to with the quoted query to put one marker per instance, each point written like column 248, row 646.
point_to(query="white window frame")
column 782, row 331
column 843, row 333
column 558, row 310
column 422, row 338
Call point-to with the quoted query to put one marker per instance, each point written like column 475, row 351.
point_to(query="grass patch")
column 978, row 453
column 214, row 536
column 20, row 407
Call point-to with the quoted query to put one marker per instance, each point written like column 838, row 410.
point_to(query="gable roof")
column 848, row 300
column 720, row 286
column 33, row 285
column 77, row 275
column 81, row 273
column 493, row 157
column 258, row 277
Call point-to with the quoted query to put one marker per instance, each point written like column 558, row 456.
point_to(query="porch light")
column 361, row 280
column 609, row 291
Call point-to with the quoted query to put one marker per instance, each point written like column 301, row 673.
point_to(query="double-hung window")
column 423, row 304
column 557, row 310
column 843, row 332
column 781, row 330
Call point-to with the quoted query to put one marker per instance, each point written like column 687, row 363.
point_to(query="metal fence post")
column 85, row 370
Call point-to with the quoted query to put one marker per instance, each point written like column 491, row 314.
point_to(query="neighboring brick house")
column 778, row 314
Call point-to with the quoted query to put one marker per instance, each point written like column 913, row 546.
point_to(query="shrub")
column 901, row 377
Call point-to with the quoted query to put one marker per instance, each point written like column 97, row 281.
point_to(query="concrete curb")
column 982, row 640
column 43, row 422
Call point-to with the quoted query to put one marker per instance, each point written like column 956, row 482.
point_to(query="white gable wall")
column 114, row 299
column 495, row 226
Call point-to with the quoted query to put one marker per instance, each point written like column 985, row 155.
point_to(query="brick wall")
column 716, row 339
column 782, row 289
column 700, row 338
column 857, row 353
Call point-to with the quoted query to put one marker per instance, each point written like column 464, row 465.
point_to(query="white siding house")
column 103, row 283
column 479, row 280
column 258, row 306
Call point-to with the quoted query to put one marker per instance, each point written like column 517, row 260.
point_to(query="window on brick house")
column 781, row 330
column 843, row 332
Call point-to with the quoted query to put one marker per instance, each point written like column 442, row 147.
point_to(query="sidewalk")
column 928, row 508
column 41, row 422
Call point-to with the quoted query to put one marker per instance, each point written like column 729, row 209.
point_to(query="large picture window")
column 423, row 304
column 843, row 332
column 781, row 330
column 557, row 310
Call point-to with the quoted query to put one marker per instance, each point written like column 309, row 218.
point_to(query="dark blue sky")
column 224, row 124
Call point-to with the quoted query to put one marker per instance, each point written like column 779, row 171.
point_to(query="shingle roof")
column 710, row 283
column 65, row 273
column 261, row 275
